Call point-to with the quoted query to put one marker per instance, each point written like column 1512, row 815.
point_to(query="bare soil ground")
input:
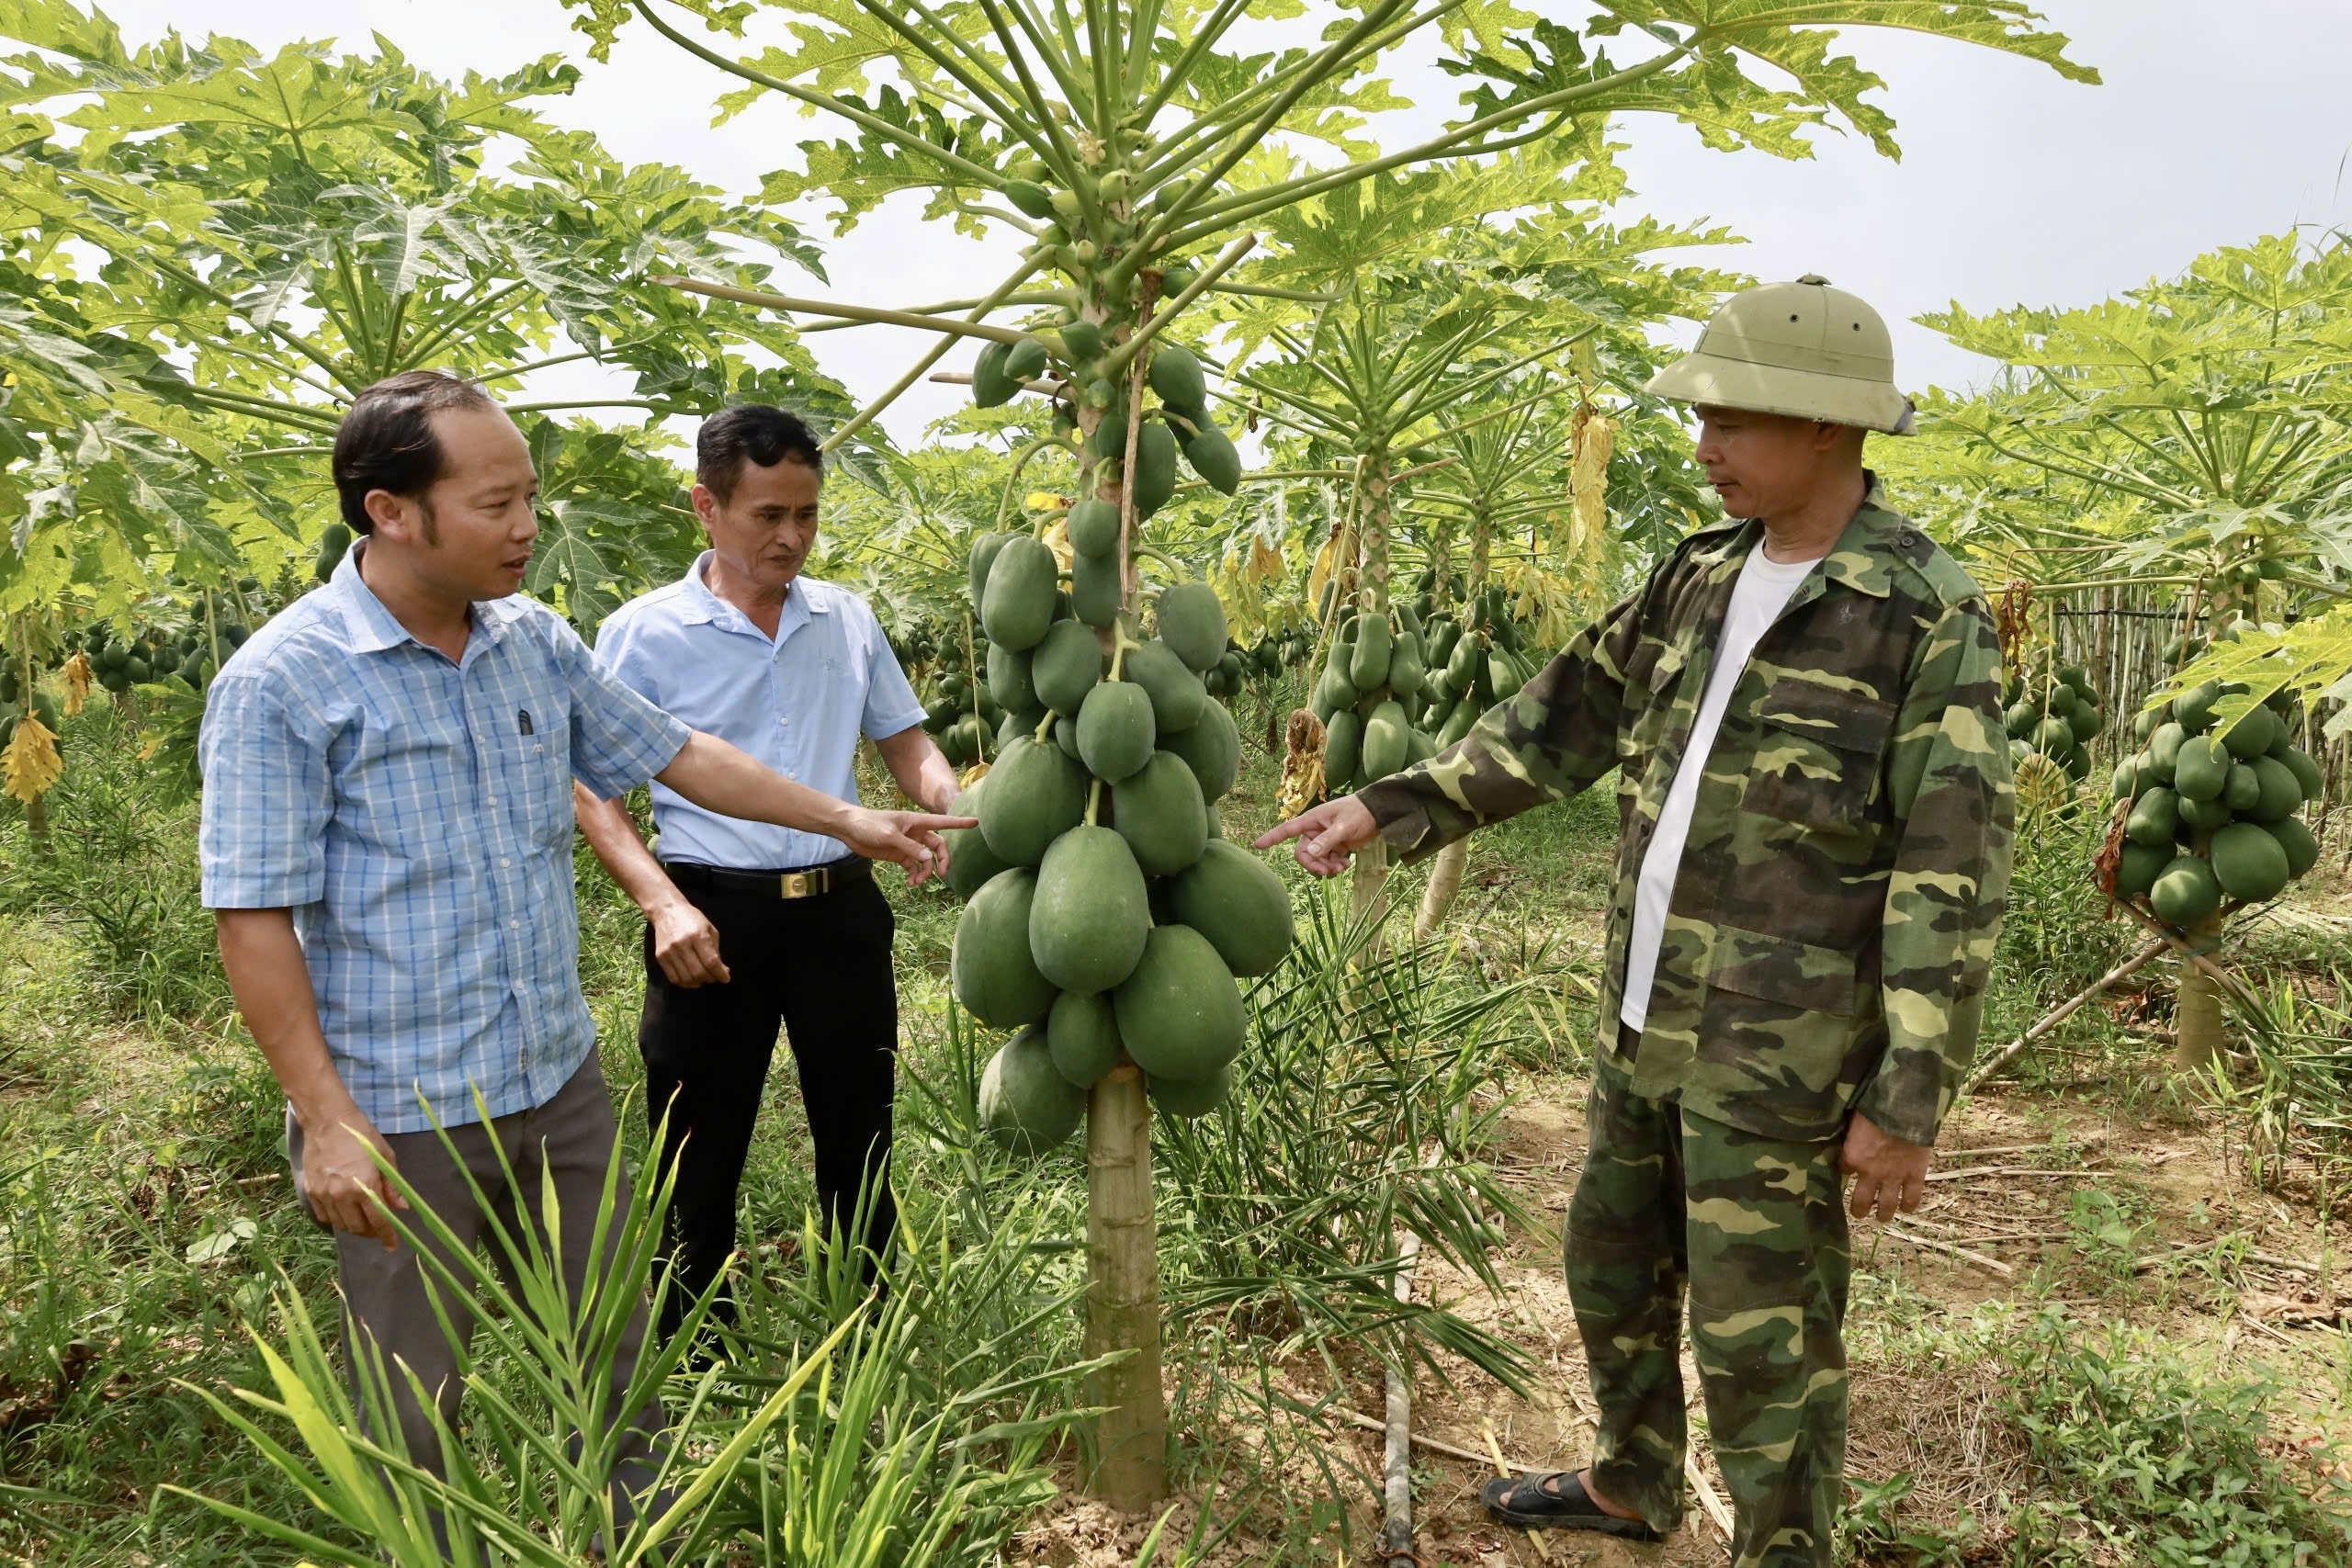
column 2171, row 1235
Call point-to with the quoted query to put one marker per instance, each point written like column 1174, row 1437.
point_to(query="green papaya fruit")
column 1342, row 748
column 2164, row 751
column 2243, row 791
column 1115, row 730
column 993, row 384
column 1177, row 694
column 2280, row 795
column 1214, row 457
column 1192, row 624
column 1154, row 479
column 1211, row 747
column 2202, row 769
column 1094, row 589
column 1083, row 339
column 1190, row 1101
column 1160, row 812
column 2137, row 868
column 1368, row 659
column 1090, row 915
column 1180, row 1014
column 1065, row 666
column 2295, row 841
column 2203, row 815
column 2155, row 819
column 1093, row 526
column 2307, row 773
column 1025, row 360
column 1175, row 376
column 2251, row 737
column 2193, row 709
column 1234, row 899
column 2186, row 891
column 1032, row 198
column 1388, row 738
column 1082, row 1034
column 1010, row 681
column 1025, row 1104
column 333, row 540
column 989, row 965
column 2249, row 862
column 1109, row 441
column 1018, row 604
column 1034, row 796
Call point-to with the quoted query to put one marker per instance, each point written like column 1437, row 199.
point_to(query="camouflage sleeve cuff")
column 1894, row 1101
column 1411, row 823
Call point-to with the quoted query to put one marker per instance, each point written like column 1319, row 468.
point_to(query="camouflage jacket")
column 1833, row 920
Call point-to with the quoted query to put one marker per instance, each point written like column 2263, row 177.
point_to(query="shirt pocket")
column 535, row 784
column 1817, row 751
column 1776, row 1029
column 1651, row 676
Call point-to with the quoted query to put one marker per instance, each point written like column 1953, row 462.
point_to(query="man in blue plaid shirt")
column 387, row 844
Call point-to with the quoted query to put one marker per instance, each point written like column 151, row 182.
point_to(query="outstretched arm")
column 718, row 777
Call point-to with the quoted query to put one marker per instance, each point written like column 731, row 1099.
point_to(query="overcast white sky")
column 2215, row 124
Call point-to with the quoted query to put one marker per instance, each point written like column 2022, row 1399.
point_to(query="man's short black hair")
column 750, row 432
column 386, row 441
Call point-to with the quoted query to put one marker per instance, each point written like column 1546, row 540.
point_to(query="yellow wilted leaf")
column 1594, row 438
column 77, row 683
column 31, row 767
column 1265, row 560
column 972, row 776
column 1326, row 561
column 1057, row 541
column 1043, row 501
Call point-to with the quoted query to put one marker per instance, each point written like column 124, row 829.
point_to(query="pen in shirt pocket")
column 523, row 722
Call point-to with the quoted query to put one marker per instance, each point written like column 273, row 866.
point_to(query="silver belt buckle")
column 800, row 883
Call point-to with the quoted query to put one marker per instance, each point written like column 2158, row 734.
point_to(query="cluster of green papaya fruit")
column 2052, row 711
column 2211, row 811
column 959, row 710
column 1106, row 919
column 1263, row 660
column 1476, row 660
column 1372, row 683
column 154, row 653
column 14, row 705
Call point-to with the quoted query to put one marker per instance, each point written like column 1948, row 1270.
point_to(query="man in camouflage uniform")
column 1804, row 707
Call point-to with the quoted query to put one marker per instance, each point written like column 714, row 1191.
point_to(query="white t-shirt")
column 1757, row 599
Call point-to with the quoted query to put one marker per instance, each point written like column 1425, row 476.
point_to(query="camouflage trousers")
column 1753, row 1228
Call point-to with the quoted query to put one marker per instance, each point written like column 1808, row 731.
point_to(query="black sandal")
column 1557, row 1501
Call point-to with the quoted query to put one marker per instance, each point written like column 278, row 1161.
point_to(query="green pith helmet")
column 1802, row 349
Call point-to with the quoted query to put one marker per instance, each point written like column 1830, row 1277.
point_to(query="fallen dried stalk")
column 2005, row 1270
column 2061, row 1013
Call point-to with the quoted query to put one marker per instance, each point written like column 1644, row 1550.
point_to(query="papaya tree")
column 307, row 223
column 1133, row 145
column 2199, row 424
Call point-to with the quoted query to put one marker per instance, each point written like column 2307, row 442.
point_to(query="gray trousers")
column 568, row 1141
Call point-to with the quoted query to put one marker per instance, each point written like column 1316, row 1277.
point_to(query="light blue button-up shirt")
column 797, row 702
column 415, row 814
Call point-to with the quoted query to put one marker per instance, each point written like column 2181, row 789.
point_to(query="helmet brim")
column 1798, row 394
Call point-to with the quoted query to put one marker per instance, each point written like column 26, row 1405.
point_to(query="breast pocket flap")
column 1775, row 969
column 1829, row 715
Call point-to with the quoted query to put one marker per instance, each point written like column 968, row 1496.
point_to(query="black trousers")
column 821, row 966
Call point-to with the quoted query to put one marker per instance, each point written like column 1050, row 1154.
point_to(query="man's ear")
column 705, row 505
column 395, row 516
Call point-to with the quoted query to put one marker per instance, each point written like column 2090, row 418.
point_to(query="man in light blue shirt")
column 386, row 841
column 751, row 926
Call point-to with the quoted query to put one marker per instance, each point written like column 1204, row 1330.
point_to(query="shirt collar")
column 370, row 627
column 1864, row 556
column 701, row 606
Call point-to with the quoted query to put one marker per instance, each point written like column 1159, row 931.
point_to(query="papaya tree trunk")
column 2200, row 1037
column 1372, row 599
column 1445, row 885
column 1121, row 1242
column 1123, row 1295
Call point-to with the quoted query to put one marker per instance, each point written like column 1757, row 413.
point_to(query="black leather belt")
column 794, row 882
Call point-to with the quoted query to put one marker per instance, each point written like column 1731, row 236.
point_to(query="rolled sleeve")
column 261, row 840
column 619, row 738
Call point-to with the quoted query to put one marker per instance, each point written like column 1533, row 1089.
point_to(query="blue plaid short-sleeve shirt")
column 415, row 814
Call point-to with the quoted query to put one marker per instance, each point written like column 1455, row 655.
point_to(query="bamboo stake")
column 2060, row 1013
column 1494, row 1452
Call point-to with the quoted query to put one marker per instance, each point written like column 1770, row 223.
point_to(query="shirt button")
column 514, row 925
column 505, row 859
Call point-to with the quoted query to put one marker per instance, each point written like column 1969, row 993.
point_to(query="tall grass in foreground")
column 852, row 1433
